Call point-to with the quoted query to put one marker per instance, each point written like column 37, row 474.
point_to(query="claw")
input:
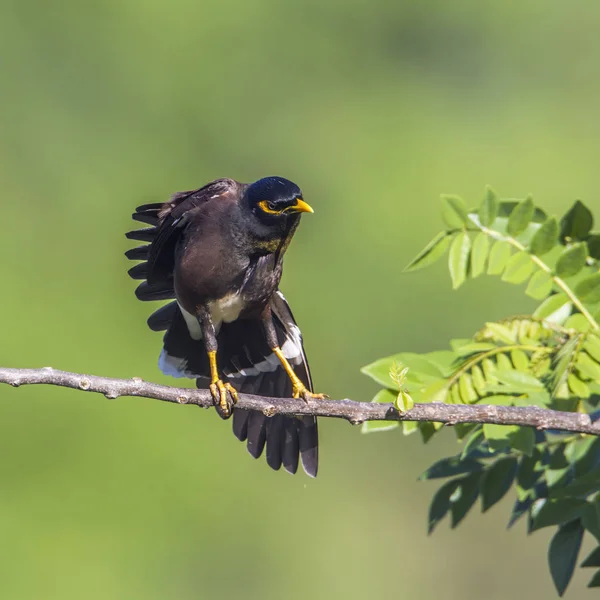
column 301, row 391
column 224, row 396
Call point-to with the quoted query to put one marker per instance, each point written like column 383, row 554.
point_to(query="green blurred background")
column 374, row 108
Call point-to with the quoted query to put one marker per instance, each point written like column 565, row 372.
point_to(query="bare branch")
column 355, row 412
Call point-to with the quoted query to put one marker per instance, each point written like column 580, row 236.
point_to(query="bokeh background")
column 375, row 108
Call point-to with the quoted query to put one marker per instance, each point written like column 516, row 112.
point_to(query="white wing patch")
column 173, row 366
column 292, row 350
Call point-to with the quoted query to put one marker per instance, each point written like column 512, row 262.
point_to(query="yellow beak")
column 302, row 206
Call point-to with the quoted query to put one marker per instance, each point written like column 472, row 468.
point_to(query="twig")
column 354, row 412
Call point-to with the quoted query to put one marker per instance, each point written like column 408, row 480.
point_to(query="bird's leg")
column 223, row 393
column 299, row 390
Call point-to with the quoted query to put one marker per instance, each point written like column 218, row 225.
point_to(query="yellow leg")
column 224, row 394
column 299, row 390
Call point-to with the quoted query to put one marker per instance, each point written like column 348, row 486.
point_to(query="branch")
column 354, row 412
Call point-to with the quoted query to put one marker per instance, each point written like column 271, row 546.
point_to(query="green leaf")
column 595, row 581
column 440, row 505
column 578, row 388
column 488, row 210
column 474, row 348
column 459, row 258
column 592, row 346
column 593, row 242
column 508, row 205
column 434, row 392
column 562, row 554
column 377, row 426
column 404, row 402
column 432, row 252
column 503, row 363
column 522, row 381
column 591, row 519
column 583, row 453
column 530, row 469
column 448, row 467
column 409, row 427
column 520, row 360
column 588, row 366
column 500, row 399
column 427, row 431
column 556, row 511
column 489, row 370
column 577, row 223
column 473, row 443
column 581, row 486
column 593, row 559
column 462, row 430
column 498, row 436
column 467, row 391
column 501, row 332
column 454, row 211
column 588, row 289
column 464, row 497
column 578, row 322
column 497, row 481
column 479, row 254
column 499, row 256
column 523, row 440
column 545, row 238
column 520, row 217
column 382, row 396
column 443, row 360
column 478, row 380
column 540, row 285
column 518, row 268
column 420, row 371
column 551, row 306
column 572, row 260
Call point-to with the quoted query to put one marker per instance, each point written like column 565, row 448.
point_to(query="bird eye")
column 270, row 205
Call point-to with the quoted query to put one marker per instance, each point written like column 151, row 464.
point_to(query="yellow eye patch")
column 264, row 206
column 299, row 207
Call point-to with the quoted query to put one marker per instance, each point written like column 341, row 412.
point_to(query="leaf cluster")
column 548, row 359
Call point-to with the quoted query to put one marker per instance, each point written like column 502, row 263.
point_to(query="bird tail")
column 250, row 366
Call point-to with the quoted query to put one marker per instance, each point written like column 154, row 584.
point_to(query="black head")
column 274, row 198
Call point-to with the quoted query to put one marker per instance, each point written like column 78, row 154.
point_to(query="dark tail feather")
column 308, row 436
column 147, row 213
column 291, row 448
column 162, row 318
column 275, row 431
column 140, row 271
column 139, row 253
column 155, row 291
column 257, row 433
column 142, row 235
column 240, row 424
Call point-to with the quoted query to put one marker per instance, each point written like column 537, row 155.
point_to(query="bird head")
column 275, row 200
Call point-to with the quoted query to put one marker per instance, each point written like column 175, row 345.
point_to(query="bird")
column 217, row 254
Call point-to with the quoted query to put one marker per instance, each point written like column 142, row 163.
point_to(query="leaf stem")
column 544, row 267
column 498, row 350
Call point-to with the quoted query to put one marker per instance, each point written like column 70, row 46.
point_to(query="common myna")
column 218, row 252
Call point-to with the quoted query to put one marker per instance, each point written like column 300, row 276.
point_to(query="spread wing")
column 168, row 222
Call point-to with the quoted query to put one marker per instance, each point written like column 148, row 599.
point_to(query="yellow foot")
column 224, row 396
column 301, row 391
